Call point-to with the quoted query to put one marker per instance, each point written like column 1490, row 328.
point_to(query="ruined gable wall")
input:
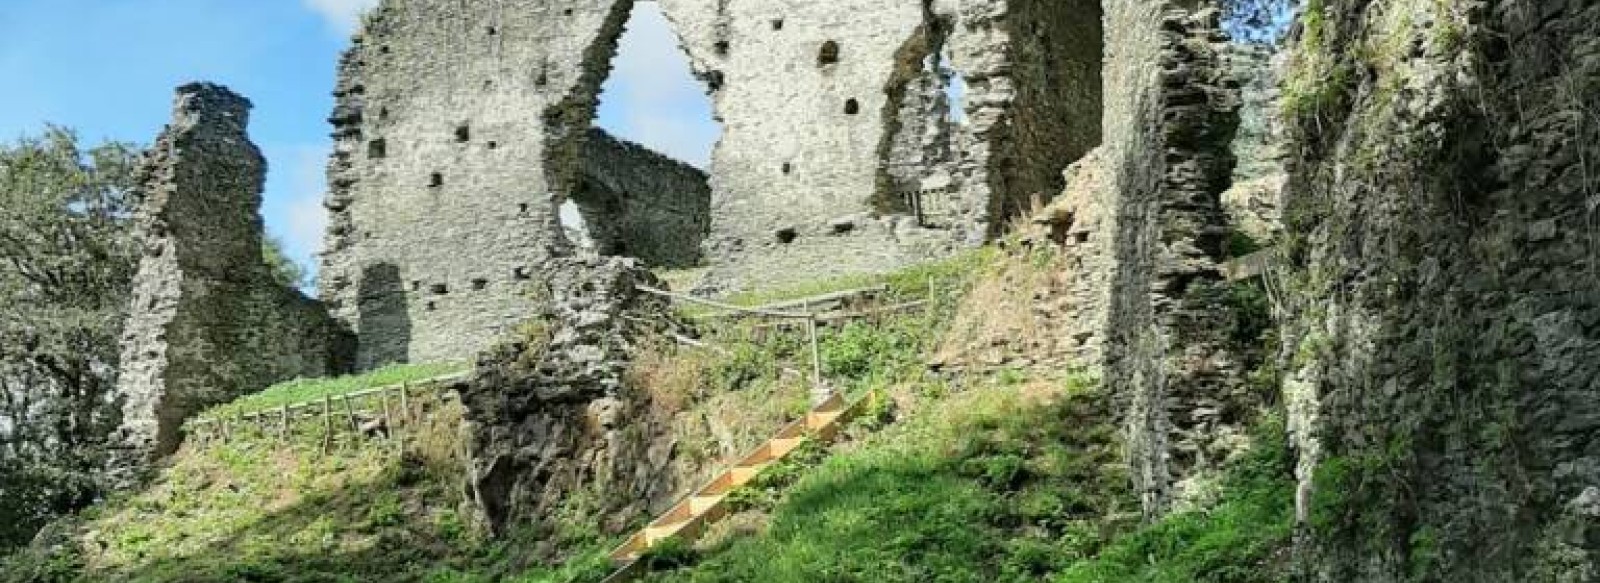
column 458, row 129
column 207, row 321
column 1447, row 319
column 791, row 159
column 803, row 188
column 638, row 203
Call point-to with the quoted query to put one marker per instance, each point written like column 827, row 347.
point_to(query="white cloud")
column 342, row 15
column 652, row 97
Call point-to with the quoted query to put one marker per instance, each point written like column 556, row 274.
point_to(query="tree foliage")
column 283, row 269
column 66, row 260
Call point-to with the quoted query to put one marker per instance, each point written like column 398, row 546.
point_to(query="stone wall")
column 1447, row 306
column 552, row 414
column 459, row 133
column 838, row 155
column 638, row 203
column 207, row 322
column 1149, row 234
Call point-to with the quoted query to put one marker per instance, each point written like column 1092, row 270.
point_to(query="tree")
column 284, row 270
column 66, row 261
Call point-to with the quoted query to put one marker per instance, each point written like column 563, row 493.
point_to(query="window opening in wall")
column 955, row 90
column 787, row 236
column 852, row 107
column 439, row 289
column 777, row 24
column 492, row 145
column 788, row 168
column 377, row 149
column 723, row 47
column 575, row 227
column 829, row 55
column 435, row 180
column 463, row 134
column 480, row 284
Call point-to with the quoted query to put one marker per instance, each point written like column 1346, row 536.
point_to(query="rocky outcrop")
column 208, row 322
column 1443, row 198
column 552, row 415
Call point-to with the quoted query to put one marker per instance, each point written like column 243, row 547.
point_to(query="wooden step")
column 700, row 505
column 689, row 518
column 744, row 474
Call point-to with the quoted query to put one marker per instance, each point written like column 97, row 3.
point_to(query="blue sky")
column 106, row 68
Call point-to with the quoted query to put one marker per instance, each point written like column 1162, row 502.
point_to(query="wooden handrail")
column 437, row 381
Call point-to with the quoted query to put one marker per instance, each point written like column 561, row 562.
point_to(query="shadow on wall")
column 384, row 321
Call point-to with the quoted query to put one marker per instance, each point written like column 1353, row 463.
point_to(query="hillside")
column 1008, row 472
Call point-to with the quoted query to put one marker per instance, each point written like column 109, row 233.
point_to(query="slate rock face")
column 1444, row 396
column 552, row 414
column 208, row 322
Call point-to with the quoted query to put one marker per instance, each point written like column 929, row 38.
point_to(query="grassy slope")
column 1011, row 476
column 303, row 390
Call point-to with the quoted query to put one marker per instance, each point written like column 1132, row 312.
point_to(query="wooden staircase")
column 689, row 518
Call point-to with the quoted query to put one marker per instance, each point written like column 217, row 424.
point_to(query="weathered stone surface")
column 459, row 132
column 1255, row 201
column 1448, row 318
column 207, row 321
column 637, row 203
column 1171, row 113
column 552, row 414
column 841, row 108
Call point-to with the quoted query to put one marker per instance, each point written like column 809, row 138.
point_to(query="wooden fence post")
column 405, row 401
column 283, row 423
column 327, row 423
column 350, row 413
column 819, row 392
column 388, row 419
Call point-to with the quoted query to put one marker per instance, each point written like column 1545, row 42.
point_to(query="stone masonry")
column 1446, row 303
column 637, row 203
column 208, row 322
column 839, row 155
column 552, row 411
column 461, row 130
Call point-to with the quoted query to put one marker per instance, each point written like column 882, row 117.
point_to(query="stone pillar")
column 207, row 322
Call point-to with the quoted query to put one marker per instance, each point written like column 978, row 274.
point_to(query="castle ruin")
column 460, row 133
column 208, row 322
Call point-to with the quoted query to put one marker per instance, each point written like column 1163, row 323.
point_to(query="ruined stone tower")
column 208, row 322
column 840, row 154
column 461, row 130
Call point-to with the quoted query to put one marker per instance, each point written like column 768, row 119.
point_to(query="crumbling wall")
column 459, row 132
column 1445, row 292
column 1255, row 201
column 1171, row 113
column 837, row 155
column 207, row 321
column 553, row 415
column 638, row 203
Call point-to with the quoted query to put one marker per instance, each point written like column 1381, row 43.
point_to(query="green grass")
column 304, row 390
column 1008, row 481
column 1241, row 539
